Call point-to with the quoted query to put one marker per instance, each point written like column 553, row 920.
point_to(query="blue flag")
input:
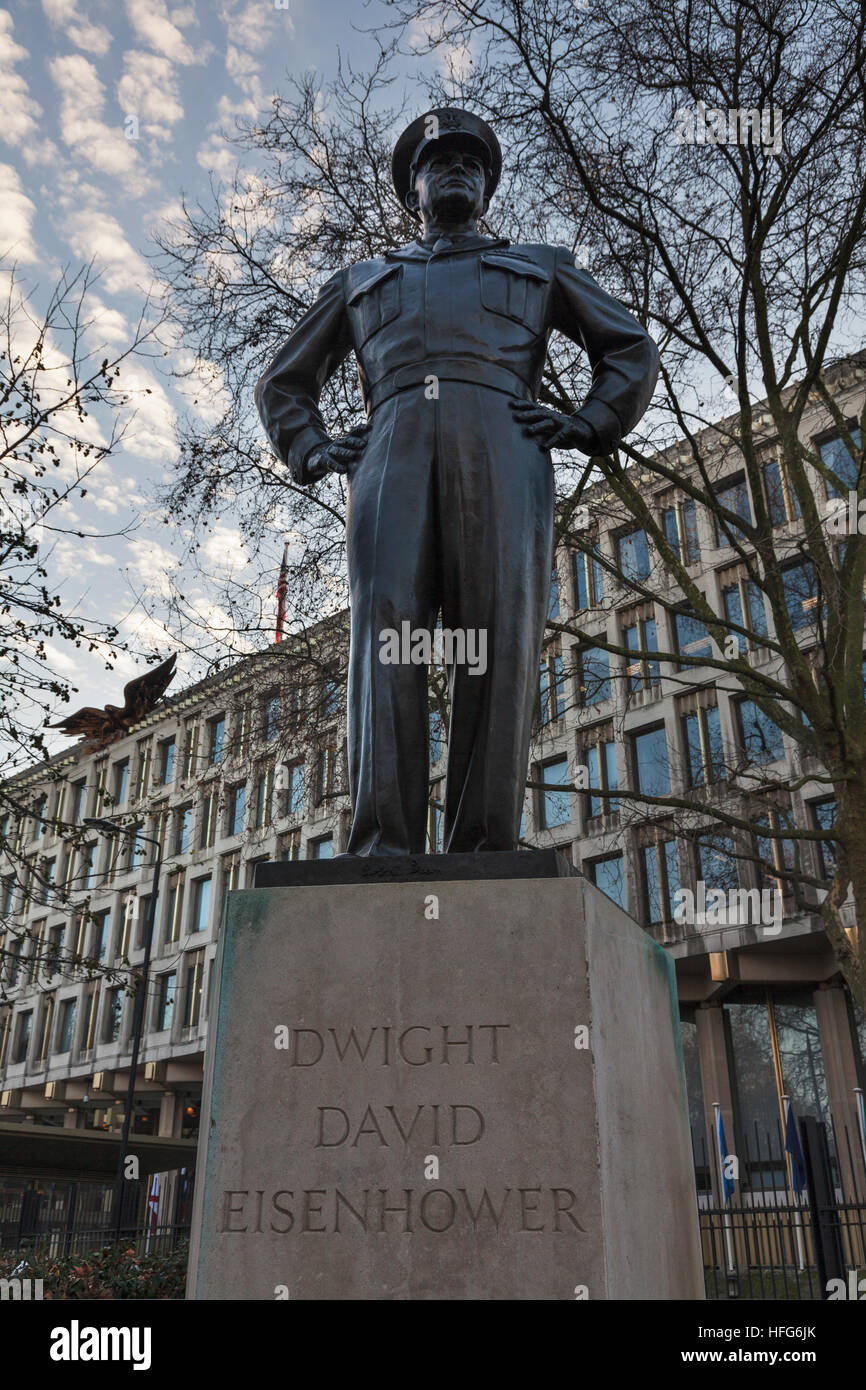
column 727, row 1183
column 794, row 1149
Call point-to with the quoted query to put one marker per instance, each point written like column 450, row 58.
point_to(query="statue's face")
column 450, row 183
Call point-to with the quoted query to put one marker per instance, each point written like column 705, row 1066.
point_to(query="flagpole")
column 723, row 1181
column 282, row 585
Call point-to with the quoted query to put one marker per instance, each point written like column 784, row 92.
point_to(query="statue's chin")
column 454, row 207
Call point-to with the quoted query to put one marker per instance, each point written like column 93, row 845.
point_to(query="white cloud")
column 106, row 325
column 66, row 15
column 82, row 101
column 152, row 417
column 19, row 113
column 94, row 234
column 16, row 216
column 148, row 89
column 150, row 20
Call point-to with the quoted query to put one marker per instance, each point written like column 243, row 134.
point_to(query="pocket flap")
column 371, row 281
column 517, row 267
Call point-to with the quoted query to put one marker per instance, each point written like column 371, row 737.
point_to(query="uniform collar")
column 416, row 252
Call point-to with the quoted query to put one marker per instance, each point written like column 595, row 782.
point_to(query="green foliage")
column 116, row 1271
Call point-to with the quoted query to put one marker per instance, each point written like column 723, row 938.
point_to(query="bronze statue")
column 450, row 481
column 102, row 726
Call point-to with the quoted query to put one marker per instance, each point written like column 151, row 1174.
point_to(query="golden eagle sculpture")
column 102, row 726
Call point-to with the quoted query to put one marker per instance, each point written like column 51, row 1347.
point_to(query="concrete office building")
column 250, row 764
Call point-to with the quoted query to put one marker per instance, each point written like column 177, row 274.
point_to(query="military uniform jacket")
column 473, row 309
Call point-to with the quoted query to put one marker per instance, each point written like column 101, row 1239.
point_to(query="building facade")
column 250, row 765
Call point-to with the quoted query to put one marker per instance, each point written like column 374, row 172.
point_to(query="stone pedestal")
column 443, row 1090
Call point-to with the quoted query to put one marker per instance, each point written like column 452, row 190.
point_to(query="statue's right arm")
column 287, row 395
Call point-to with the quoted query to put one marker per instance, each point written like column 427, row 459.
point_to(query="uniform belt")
column 447, row 369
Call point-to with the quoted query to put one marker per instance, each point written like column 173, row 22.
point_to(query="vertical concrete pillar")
column 715, row 1083
column 169, row 1116
column 840, row 1068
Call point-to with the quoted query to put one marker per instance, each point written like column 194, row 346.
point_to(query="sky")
column 110, row 110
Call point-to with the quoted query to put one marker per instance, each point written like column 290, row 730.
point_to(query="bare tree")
column 64, row 410
column 705, row 162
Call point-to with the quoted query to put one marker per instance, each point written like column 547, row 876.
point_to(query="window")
column 836, row 455
column 661, row 880
column 200, row 904
column 136, row 849
column 183, row 829
column 237, row 800
column 322, row 848
column 87, row 871
column 735, row 497
column 652, row 768
column 165, row 1000
column 680, row 525
column 608, row 874
column 326, row 774
column 588, row 578
column 209, row 811
column 264, row 790
column 8, row 894
column 113, row 1012
column 66, row 1027
column 330, row 695
column 691, row 637
column 800, row 585
column 824, row 817
column 290, row 846
column 633, row 554
column 271, row 717
column 175, row 908
column 716, row 861
column 782, row 503
column 744, row 606
column 551, row 686
column 166, row 761
column 642, row 672
column 101, row 923
column 38, row 818
column 216, row 730
column 704, row 747
column 230, row 870
column 601, row 767
column 553, row 601
column 760, row 738
column 192, row 988
column 778, row 856
column 554, row 806
column 295, row 783
column 22, row 1040
column 142, row 776
column 121, row 782
column 53, row 951
column 79, row 800
column 593, row 676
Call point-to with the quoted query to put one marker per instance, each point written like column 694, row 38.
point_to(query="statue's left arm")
column 623, row 356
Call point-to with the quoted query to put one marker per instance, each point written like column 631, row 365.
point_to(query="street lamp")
column 110, row 827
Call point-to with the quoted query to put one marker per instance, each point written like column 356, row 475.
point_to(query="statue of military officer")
column 450, row 481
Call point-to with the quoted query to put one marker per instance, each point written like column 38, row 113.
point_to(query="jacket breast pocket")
column 516, row 289
column 375, row 302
